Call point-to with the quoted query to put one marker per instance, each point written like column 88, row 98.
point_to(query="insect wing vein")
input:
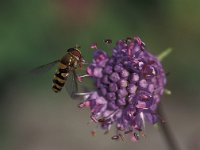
column 44, row 68
column 71, row 84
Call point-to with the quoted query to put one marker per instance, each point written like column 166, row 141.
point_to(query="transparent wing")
column 44, row 68
column 72, row 85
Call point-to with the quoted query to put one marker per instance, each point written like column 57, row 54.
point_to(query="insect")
column 108, row 41
column 67, row 66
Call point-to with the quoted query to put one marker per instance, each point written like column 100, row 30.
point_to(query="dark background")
column 37, row 32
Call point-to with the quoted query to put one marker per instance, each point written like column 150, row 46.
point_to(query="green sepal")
column 164, row 54
column 167, row 92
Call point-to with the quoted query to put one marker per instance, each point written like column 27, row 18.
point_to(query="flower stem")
column 166, row 131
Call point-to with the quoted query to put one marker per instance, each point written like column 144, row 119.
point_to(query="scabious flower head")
column 128, row 88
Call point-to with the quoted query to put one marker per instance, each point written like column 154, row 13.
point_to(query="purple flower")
column 128, row 88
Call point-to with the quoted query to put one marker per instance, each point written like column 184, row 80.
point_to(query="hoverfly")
column 67, row 66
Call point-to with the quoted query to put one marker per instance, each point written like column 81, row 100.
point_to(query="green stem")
column 166, row 131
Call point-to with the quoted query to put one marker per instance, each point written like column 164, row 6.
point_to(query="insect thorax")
column 69, row 60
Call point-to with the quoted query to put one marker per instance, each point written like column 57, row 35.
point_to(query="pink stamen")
column 102, row 57
column 84, row 104
column 93, row 46
column 83, row 94
column 141, row 105
column 94, row 119
column 130, row 113
column 144, row 97
column 81, row 105
column 89, row 71
column 138, row 40
column 111, row 114
column 131, row 46
column 80, row 78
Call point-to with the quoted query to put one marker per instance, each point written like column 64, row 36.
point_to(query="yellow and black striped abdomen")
column 65, row 66
column 60, row 77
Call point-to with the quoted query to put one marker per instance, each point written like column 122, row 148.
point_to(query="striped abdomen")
column 60, row 77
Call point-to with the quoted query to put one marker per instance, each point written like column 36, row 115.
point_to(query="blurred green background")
column 37, row 32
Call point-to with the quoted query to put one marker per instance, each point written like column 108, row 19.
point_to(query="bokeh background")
column 37, row 32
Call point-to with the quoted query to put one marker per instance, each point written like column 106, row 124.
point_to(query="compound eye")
column 70, row 50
